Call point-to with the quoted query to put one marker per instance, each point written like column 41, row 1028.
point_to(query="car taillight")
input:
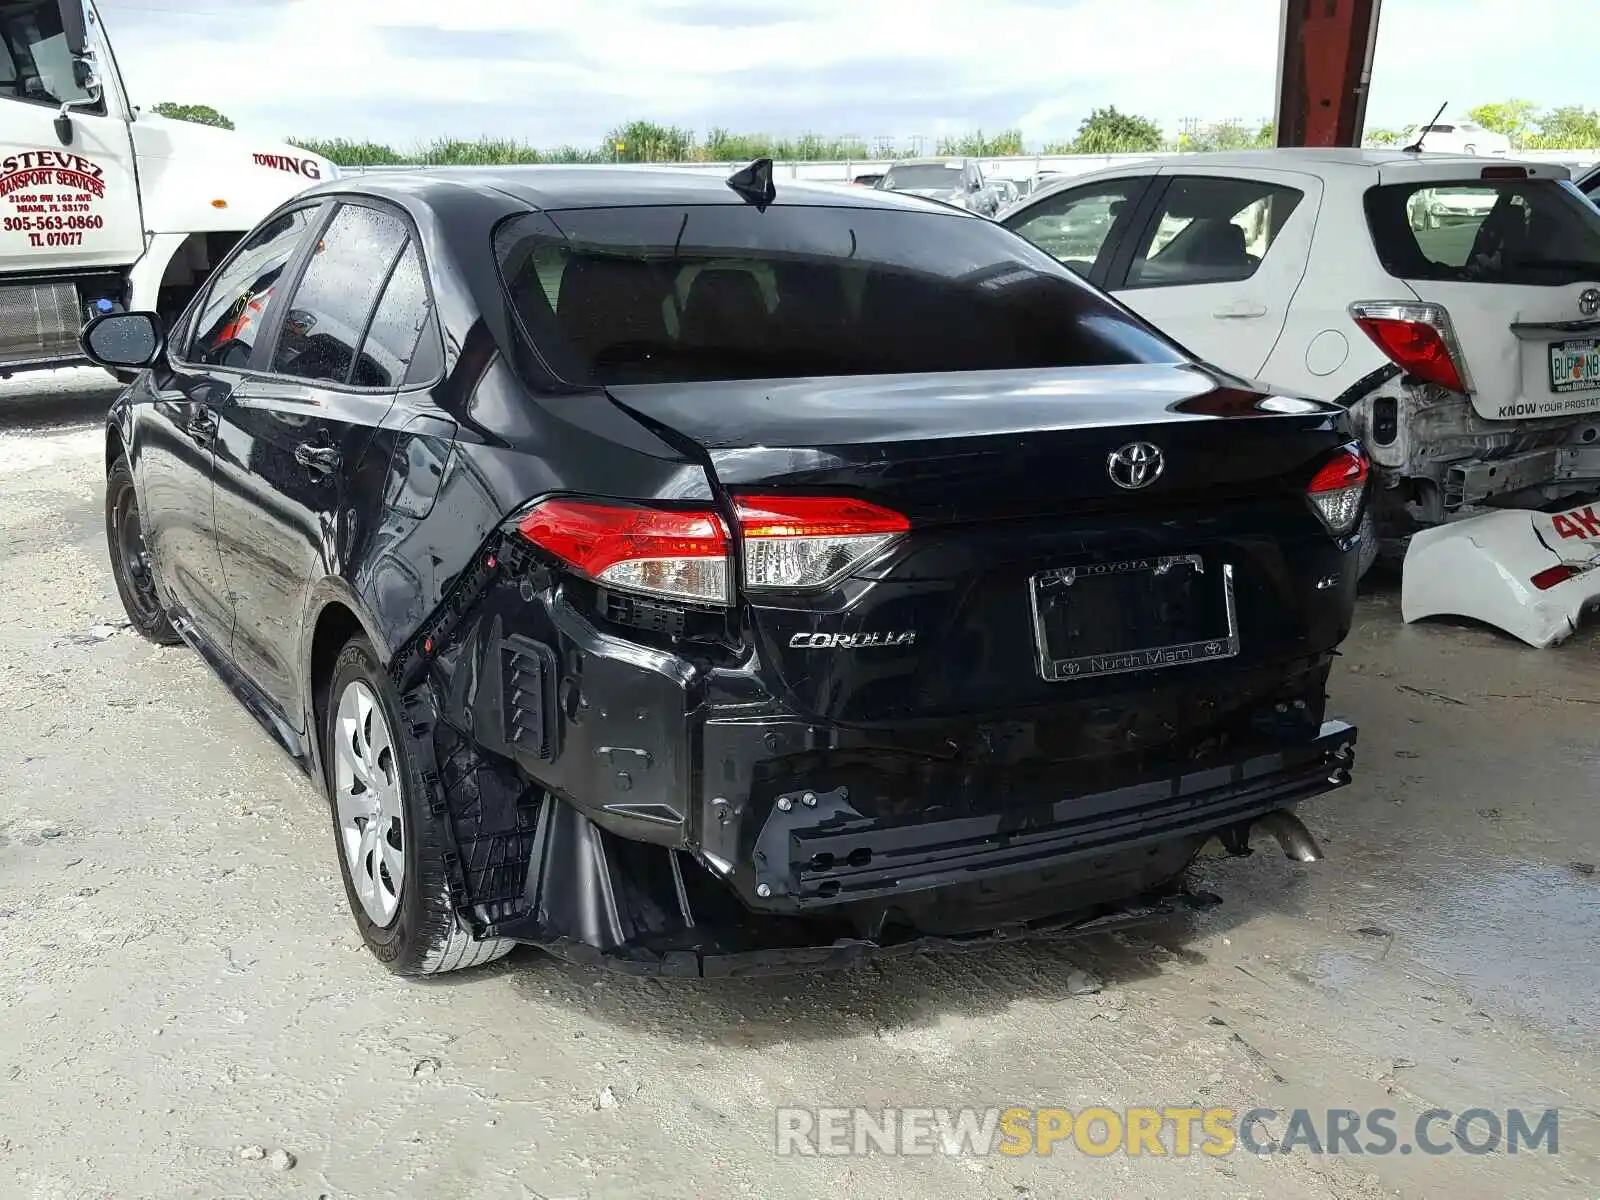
column 790, row 542
column 1418, row 338
column 1550, row 576
column 810, row 541
column 682, row 555
column 1335, row 490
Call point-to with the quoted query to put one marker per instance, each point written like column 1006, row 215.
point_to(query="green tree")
column 976, row 145
column 352, row 154
column 1510, row 117
column 1569, row 127
column 1227, row 135
column 1383, row 137
column 485, row 151
column 649, row 141
column 200, row 114
column 1108, row 131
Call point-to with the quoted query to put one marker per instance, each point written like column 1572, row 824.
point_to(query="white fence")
column 1017, row 168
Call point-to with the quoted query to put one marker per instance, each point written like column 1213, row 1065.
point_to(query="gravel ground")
column 188, row 1011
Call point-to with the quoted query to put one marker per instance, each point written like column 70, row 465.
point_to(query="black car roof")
column 561, row 187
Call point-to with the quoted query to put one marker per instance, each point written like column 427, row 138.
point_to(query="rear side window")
column 659, row 294
column 1211, row 230
column 1532, row 231
column 398, row 321
column 1076, row 226
column 327, row 315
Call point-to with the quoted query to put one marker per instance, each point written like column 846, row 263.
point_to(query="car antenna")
column 754, row 183
column 1416, row 146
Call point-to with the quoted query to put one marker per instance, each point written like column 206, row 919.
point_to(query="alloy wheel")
column 369, row 802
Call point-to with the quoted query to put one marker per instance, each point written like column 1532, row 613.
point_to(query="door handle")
column 1241, row 310
column 202, row 427
column 320, row 460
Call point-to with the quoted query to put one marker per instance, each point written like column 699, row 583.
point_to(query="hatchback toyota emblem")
column 1136, row 465
column 1589, row 302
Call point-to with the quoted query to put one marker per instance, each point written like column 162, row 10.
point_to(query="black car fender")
column 334, row 612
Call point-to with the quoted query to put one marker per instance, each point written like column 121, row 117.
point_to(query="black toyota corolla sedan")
column 702, row 576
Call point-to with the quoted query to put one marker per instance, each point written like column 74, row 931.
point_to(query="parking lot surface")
column 185, row 996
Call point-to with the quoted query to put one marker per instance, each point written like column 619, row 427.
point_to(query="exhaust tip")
column 1292, row 835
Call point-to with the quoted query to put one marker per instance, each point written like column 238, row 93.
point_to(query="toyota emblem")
column 1136, row 465
column 1589, row 302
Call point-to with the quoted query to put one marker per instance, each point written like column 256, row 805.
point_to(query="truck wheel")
column 391, row 848
column 131, row 565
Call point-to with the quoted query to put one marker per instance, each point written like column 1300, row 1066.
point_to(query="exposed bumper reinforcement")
column 817, row 851
column 1473, row 482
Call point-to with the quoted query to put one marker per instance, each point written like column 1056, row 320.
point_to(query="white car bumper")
column 1531, row 574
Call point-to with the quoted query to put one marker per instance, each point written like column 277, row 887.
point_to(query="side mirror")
column 74, row 27
column 124, row 341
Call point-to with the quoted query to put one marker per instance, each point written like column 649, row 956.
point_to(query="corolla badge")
column 851, row 641
column 1589, row 302
column 1136, row 465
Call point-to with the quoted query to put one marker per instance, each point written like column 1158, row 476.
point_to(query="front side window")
column 674, row 294
column 1520, row 231
column 1075, row 226
column 327, row 316
column 35, row 64
column 230, row 319
column 1211, row 230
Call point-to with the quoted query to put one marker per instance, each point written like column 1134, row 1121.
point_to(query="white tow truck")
column 105, row 208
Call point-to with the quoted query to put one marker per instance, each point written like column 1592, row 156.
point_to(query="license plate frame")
column 1148, row 658
column 1563, row 351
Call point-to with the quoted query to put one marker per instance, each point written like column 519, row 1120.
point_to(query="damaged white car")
column 1452, row 304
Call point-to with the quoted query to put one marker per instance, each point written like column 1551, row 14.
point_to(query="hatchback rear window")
column 675, row 294
column 1528, row 231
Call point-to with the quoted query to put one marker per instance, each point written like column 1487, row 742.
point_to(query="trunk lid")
column 1005, row 477
column 975, row 446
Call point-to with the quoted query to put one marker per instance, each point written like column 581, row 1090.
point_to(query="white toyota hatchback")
column 1451, row 303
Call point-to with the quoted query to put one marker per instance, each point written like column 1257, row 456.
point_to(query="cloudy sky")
column 566, row 71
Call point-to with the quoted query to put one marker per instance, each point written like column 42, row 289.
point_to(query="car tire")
column 1367, row 552
column 131, row 565
column 391, row 848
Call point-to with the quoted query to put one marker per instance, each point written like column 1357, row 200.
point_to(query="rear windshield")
column 676, row 294
column 926, row 175
column 1532, row 231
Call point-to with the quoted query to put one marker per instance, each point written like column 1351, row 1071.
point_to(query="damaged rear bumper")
column 613, row 803
column 832, row 886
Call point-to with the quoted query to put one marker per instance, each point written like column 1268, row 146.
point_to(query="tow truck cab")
column 104, row 207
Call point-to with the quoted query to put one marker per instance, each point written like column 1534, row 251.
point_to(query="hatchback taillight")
column 1418, row 338
column 790, row 543
column 1335, row 490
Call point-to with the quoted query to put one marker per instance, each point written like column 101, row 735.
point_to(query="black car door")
column 177, row 432
column 290, row 444
column 1083, row 226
